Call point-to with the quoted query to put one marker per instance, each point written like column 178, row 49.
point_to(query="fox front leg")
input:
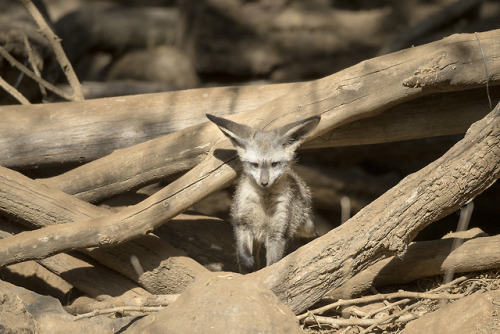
column 245, row 249
column 275, row 248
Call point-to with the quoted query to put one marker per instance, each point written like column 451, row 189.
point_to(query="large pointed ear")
column 238, row 133
column 293, row 134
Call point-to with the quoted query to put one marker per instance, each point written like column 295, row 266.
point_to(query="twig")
column 14, row 92
column 382, row 296
column 58, row 50
column 14, row 62
column 372, row 323
column 463, row 223
column 33, row 64
column 485, row 72
column 396, row 316
column 142, row 309
column 337, row 323
column 400, row 294
column 388, row 306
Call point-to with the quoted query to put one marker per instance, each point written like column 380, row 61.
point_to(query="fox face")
column 266, row 158
column 266, row 154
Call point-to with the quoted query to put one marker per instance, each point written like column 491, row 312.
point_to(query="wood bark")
column 307, row 274
column 387, row 225
column 166, row 269
column 424, row 259
column 341, row 98
column 77, row 132
column 94, row 280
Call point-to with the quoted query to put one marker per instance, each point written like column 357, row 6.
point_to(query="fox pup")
column 271, row 204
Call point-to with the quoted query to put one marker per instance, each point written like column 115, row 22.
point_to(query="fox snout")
column 264, row 178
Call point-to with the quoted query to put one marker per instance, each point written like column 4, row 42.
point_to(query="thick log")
column 94, row 280
column 77, row 132
column 424, row 259
column 387, row 225
column 166, row 269
column 341, row 98
column 64, row 137
column 338, row 103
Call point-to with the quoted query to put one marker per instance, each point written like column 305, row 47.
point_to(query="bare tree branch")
column 58, row 50
column 29, row 73
column 13, row 92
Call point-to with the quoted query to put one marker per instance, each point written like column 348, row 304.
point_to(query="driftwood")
column 388, row 224
column 423, row 259
column 306, row 275
column 39, row 206
column 341, row 98
column 63, row 136
column 94, row 280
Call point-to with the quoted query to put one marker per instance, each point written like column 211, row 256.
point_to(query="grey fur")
column 272, row 204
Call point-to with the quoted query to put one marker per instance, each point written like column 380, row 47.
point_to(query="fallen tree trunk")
column 424, row 259
column 387, row 225
column 95, row 281
column 166, row 269
column 341, row 98
column 350, row 101
column 77, row 132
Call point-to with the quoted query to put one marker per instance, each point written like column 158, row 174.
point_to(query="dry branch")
column 119, row 309
column 58, row 50
column 34, row 66
column 388, row 224
column 33, row 76
column 382, row 296
column 13, row 92
column 94, row 280
column 76, row 132
column 80, row 307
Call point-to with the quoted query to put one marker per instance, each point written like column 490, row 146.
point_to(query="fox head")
column 266, row 154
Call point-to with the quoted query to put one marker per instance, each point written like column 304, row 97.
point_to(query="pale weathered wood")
column 76, row 132
column 338, row 104
column 94, row 280
column 362, row 91
column 316, row 272
column 166, row 269
column 388, row 224
column 424, row 259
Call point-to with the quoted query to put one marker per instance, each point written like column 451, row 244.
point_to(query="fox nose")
column 264, row 184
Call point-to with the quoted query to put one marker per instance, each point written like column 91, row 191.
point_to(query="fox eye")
column 254, row 164
column 274, row 164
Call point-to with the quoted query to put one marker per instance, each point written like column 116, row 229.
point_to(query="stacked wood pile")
column 159, row 147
